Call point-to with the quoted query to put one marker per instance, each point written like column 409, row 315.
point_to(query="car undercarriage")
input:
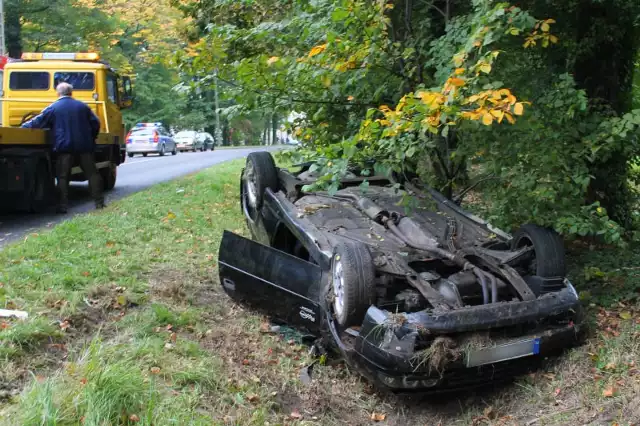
column 410, row 288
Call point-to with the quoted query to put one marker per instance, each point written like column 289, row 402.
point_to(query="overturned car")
column 424, row 298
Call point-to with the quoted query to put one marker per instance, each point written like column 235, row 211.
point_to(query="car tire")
column 548, row 247
column 144, row 155
column 41, row 188
column 130, row 154
column 352, row 283
column 259, row 174
column 109, row 176
column 162, row 151
column 175, row 151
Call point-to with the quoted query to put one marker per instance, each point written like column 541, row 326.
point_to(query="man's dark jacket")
column 73, row 125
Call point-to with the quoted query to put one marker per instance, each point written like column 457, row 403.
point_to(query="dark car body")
column 431, row 324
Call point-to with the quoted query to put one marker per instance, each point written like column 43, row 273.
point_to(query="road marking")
column 137, row 162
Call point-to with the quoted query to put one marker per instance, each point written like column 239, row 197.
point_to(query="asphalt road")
column 134, row 175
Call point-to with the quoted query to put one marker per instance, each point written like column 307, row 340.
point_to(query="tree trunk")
column 274, row 129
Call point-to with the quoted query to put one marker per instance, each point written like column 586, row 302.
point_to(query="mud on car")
column 422, row 296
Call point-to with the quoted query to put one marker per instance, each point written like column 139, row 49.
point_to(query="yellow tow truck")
column 27, row 170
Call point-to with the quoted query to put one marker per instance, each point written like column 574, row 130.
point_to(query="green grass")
column 128, row 326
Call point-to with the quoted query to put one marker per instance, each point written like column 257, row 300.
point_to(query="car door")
column 282, row 285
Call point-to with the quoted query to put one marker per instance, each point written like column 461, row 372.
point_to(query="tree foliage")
column 533, row 100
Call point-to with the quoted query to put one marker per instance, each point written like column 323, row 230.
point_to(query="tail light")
column 156, row 137
column 128, row 137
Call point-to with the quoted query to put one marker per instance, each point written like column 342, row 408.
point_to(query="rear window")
column 79, row 80
column 29, row 80
column 143, row 132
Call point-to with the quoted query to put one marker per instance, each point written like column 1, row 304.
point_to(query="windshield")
column 79, row 80
column 29, row 80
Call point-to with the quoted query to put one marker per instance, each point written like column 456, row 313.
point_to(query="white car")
column 188, row 140
column 150, row 138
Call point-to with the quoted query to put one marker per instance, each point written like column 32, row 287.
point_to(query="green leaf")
column 339, row 14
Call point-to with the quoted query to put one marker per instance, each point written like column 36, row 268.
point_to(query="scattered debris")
column 11, row 313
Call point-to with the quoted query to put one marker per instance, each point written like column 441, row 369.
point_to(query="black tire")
column 259, row 174
column 145, row 154
column 162, row 151
column 109, row 176
column 41, row 189
column 548, row 247
column 175, row 151
column 130, row 154
column 358, row 286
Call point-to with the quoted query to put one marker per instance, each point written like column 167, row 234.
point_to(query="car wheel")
column 352, row 283
column 130, row 155
column 109, row 176
column 41, row 188
column 144, row 155
column 259, row 174
column 175, row 151
column 548, row 248
column 162, row 151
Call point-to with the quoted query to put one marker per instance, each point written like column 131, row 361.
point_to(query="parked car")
column 150, row 138
column 207, row 140
column 188, row 140
column 429, row 298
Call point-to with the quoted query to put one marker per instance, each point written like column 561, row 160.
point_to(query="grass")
column 128, row 326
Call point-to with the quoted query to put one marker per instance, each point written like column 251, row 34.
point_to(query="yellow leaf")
column 459, row 71
column 384, row 108
column 545, row 27
column 459, row 59
column 457, row 82
column 378, row 417
column 349, row 98
column 485, row 68
column 553, row 39
column 487, row 119
column 518, row 108
column 609, row 392
column 550, row 21
column 388, row 6
column 509, row 118
column 498, row 114
column 171, row 215
column 626, row 315
column 272, row 60
column 317, row 50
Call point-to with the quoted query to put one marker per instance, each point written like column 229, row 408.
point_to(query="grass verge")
column 128, row 326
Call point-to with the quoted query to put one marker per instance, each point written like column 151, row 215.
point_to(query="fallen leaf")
column 134, row 418
column 295, row 414
column 155, row 370
column 173, row 337
column 610, row 366
column 86, row 274
column 83, row 381
column 245, row 362
column 110, row 244
column 349, row 98
column 272, row 60
column 169, row 327
column 64, row 325
column 253, row 398
column 625, row 315
column 378, row 417
column 170, row 216
column 557, row 391
column 609, row 392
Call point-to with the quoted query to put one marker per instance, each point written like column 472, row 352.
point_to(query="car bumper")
column 184, row 146
column 142, row 148
column 399, row 357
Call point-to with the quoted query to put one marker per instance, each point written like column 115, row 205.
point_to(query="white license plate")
column 504, row 352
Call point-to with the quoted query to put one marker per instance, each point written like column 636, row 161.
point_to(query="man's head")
column 64, row 89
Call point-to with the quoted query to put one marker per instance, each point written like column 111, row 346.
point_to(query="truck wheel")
column 259, row 174
column 109, row 176
column 41, row 188
column 548, row 248
column 352, row 283
column 130, row 155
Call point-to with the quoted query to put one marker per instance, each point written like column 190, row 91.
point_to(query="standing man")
column 75, row 129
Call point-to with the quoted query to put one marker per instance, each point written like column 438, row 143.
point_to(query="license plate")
column 503, row 352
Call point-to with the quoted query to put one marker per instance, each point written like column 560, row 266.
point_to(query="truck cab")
column 28, row 86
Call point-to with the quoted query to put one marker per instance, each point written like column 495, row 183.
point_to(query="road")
column 134, row 175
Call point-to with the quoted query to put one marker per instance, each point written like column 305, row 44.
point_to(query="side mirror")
column 126, row 100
